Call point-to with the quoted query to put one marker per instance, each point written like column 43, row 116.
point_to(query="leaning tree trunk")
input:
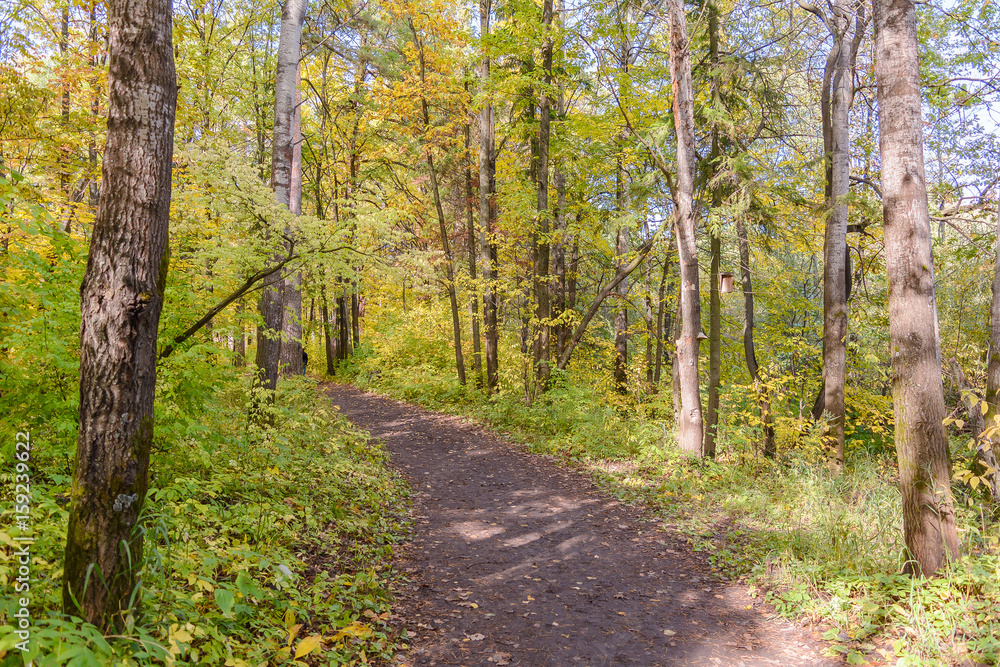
column 120, row 302
column 488, row 206
column 282, row 148
column 689, row 431
column 918, row 392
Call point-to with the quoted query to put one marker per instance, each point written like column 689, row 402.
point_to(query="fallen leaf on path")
column 669, row 633
column 478, row 637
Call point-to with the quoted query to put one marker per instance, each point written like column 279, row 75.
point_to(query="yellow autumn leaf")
column 355, row 629
column 289, row 619
column 293, row 632
column 308, row 645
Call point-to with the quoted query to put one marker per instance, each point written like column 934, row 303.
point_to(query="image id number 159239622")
column 22, row 550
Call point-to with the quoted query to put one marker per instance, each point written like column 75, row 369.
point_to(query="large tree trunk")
column 689, row 432
column 541, row 283
column 918, row 392
column 487, row 205
column 282, row 148
column 749, row 350
column 120, row 302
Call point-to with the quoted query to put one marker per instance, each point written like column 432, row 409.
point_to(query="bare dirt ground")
column 517, row 561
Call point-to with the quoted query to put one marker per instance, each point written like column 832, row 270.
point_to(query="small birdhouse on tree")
column 726, row 283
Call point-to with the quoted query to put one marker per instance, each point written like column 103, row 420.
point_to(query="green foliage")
column 261, row 546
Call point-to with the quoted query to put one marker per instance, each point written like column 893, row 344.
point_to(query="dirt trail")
column 517, row 561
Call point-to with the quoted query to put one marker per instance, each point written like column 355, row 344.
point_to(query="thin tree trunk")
column 605, row 292
column 661, row 314
column 650, row 331
column 988, row 441
column 918, row 393
column 488, row 206
column 344, row 317
column 449, row 260
column 240, row 342
column 330, row 341
column 470, row 228
column 621, row 307
column 749, row 351
column 120, row 302
column 714, row 342
column 355, row 315
column 689, row 432
column 541, row 284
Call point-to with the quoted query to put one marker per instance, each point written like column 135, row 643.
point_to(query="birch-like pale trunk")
column 689, row 426
column 282, row 148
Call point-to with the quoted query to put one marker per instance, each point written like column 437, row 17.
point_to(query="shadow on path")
column 517, row 561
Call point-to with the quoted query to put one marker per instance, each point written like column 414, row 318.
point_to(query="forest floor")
column 514, row 560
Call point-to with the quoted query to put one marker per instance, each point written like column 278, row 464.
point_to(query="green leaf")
column 225, row 599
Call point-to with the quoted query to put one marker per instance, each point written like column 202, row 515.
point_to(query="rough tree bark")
column 542, row 246
column 918, row 393
column 715, row 296
column 120, row 302
column 271, row 299
column 689, row 431
column 487, row 205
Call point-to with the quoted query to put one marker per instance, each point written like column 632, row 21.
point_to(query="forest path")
column 517, row 561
